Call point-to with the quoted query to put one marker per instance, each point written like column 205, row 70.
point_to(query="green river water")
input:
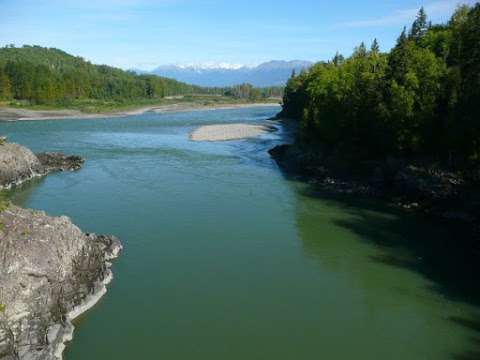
column 225, row 259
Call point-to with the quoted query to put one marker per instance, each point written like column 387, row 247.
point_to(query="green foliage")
column 2, row 308
column 295, row 98
column 5, row 86
column 4, row 202
column 420, row 99
column 50, row 76
column 419, row 26
column 248, row 92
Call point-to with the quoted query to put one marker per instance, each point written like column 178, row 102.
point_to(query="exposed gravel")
column 228, row 132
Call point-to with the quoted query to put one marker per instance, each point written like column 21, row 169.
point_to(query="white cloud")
column 403, row 16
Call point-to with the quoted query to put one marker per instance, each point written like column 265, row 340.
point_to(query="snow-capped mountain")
column 210, row 66
column 273, row 73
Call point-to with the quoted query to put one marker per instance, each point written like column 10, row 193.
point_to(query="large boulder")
column 50, row 272
column 52, row 161
column 18, row 164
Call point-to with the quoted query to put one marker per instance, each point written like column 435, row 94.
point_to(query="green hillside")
column 40, row 75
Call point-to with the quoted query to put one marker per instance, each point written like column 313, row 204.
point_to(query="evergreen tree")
column 420, row 99
column 5, row 86
column 419, row 26
column 402, row 39
column 42, row 75
column 375, row 48
column 360, row 51
column 338, row 59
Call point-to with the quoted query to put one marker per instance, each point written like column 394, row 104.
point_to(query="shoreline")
column 9, row 114
column 416, row 187
column 29, row 267
column 64, row 333
column 77, row 311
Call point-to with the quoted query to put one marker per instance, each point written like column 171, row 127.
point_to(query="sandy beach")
column 19, row 114
column 226, row 132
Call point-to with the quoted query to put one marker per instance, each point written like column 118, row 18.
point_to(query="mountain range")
column 272, row 73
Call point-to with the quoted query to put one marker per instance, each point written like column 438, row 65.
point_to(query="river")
column 225, row 258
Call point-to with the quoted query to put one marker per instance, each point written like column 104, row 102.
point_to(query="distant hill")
column 273, row 73
column 47, row 75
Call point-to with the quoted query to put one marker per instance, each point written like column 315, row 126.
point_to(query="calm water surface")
column 226, row 259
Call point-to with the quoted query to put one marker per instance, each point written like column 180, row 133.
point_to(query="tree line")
column 50, row 76
column 42, row 75
column 248, row 91
column 420, row 99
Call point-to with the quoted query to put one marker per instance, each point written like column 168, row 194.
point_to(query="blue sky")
column 146, row 33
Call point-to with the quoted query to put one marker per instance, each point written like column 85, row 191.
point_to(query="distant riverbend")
column 226, row 258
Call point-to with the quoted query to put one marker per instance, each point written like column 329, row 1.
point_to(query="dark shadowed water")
column 226, row 259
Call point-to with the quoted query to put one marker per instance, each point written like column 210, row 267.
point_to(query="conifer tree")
column 419, row 26
column 375, row 48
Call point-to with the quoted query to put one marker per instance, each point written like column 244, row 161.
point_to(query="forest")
column 45, row 75
column 421, row 99
column 39, row 75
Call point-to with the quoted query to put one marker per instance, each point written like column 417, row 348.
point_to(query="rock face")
column 411, row 184
column 387, row 177
column 60, row 162
column 19, row 164
column 289, row 159
column 50, row 272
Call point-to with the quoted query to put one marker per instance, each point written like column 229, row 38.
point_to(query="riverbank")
column 18, row 164
column 26, row 114
column 51, row 272
column 420, row 186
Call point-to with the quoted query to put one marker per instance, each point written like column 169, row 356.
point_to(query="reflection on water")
column 21, row 194
column 226, row 259
column 413, row 265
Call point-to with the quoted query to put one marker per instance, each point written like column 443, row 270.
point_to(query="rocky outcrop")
column 291, row 159
column 412, row 184
column 18, row 164
column 411, row 179
column 50, row 272
column 60, row 162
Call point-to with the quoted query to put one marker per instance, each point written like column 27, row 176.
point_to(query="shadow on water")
column 432, row 249
column 21, row 194
column 473, row 325
column 438, row 251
